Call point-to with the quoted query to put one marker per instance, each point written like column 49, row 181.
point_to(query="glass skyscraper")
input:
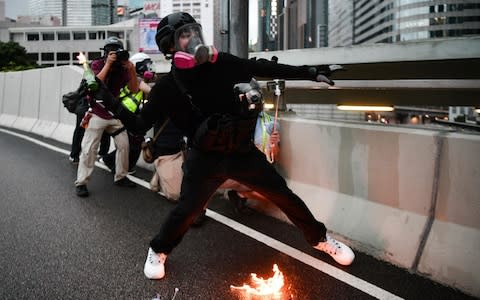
column 46, row 8
column 76, row 12
column 390, row 21
column 103, row 12
column 292, row 24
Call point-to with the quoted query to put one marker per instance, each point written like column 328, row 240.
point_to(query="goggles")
column 191, row 48
column 188, row 37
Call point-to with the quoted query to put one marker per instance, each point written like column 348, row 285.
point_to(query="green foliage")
column 460, row 118
column 13, row 57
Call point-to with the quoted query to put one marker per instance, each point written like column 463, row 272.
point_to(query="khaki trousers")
column 90, row 143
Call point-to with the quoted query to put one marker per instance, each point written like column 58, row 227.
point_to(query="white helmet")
column 142, row 63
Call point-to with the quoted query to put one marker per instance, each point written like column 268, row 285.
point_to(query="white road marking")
column 316, row 263
column 336, row 273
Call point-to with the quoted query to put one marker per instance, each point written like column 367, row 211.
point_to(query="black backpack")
column 76, row 102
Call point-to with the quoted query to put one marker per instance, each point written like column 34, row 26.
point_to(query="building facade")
column 37, row 8
column 103, row 12
column 76, row 12
column 292, row 24
column 340, row 23
column 56, row 46
column 201, row 10
column 2, row 10
column 59, row 45
column 391, row 21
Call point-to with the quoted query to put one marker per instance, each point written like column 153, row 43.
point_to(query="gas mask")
column 191, row 49
column 248, row 96
column 145, row 68
column 148, row 75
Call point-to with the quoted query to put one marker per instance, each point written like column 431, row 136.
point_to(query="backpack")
column 76, row 102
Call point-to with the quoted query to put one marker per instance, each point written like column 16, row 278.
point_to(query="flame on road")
column 264, row 287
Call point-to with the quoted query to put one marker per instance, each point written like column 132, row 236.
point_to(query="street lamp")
column 364, row 107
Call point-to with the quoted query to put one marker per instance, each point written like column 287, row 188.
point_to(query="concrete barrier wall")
column 31, row 101
column 452, row 247
column 11, row 97
column 358, row 180
column 407, row 196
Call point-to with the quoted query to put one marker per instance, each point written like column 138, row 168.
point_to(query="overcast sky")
column 14, row 8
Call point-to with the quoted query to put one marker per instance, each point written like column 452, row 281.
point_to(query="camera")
column 248, row 96
column 122, row 55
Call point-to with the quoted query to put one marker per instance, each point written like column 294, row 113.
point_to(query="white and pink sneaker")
column 340, row 252
column 155, row 265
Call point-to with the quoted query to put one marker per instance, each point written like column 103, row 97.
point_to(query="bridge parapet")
column 408, row 196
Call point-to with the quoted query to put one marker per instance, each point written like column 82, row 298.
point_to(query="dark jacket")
column 211, row 88
column 169, row 141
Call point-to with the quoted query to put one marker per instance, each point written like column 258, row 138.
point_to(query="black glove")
column 274, row 59
column 105, row 97
column 321, row 73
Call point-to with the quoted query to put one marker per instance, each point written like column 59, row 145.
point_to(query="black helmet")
column 113, row 42
column 166, row 29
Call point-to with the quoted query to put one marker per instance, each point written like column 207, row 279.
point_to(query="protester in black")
column 199, row 98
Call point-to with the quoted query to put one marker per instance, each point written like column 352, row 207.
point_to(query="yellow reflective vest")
column 265, row 118
column 131, row 101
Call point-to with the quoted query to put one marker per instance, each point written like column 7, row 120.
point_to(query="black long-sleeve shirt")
column 211, row 88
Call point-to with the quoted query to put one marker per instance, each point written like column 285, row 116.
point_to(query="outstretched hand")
column 104, row 95
column 322, row 73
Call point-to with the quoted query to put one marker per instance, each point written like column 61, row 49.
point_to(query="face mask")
column 191, row 50
column 203, row 54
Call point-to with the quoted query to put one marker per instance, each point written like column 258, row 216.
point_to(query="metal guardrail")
column 420, row 92
column 463, row 125
column 438, row 72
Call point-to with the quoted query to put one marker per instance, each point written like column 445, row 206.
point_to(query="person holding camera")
column 115, row 71
column 134, row 102
column 198, row 96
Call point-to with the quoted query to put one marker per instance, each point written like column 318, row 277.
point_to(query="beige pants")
column 90, row 143
column 168, row 175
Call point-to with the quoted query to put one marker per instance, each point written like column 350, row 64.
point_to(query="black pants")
column 205, row 172
column 134, row 150
column 77, row 140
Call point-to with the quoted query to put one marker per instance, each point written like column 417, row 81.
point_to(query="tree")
column 13, row 57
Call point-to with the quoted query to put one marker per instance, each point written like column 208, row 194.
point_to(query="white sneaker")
column 340, row 252
column 155, row 265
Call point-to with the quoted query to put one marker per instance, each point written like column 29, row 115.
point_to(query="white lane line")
column 316, row 263
column 35, row 141
column 336, row 273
